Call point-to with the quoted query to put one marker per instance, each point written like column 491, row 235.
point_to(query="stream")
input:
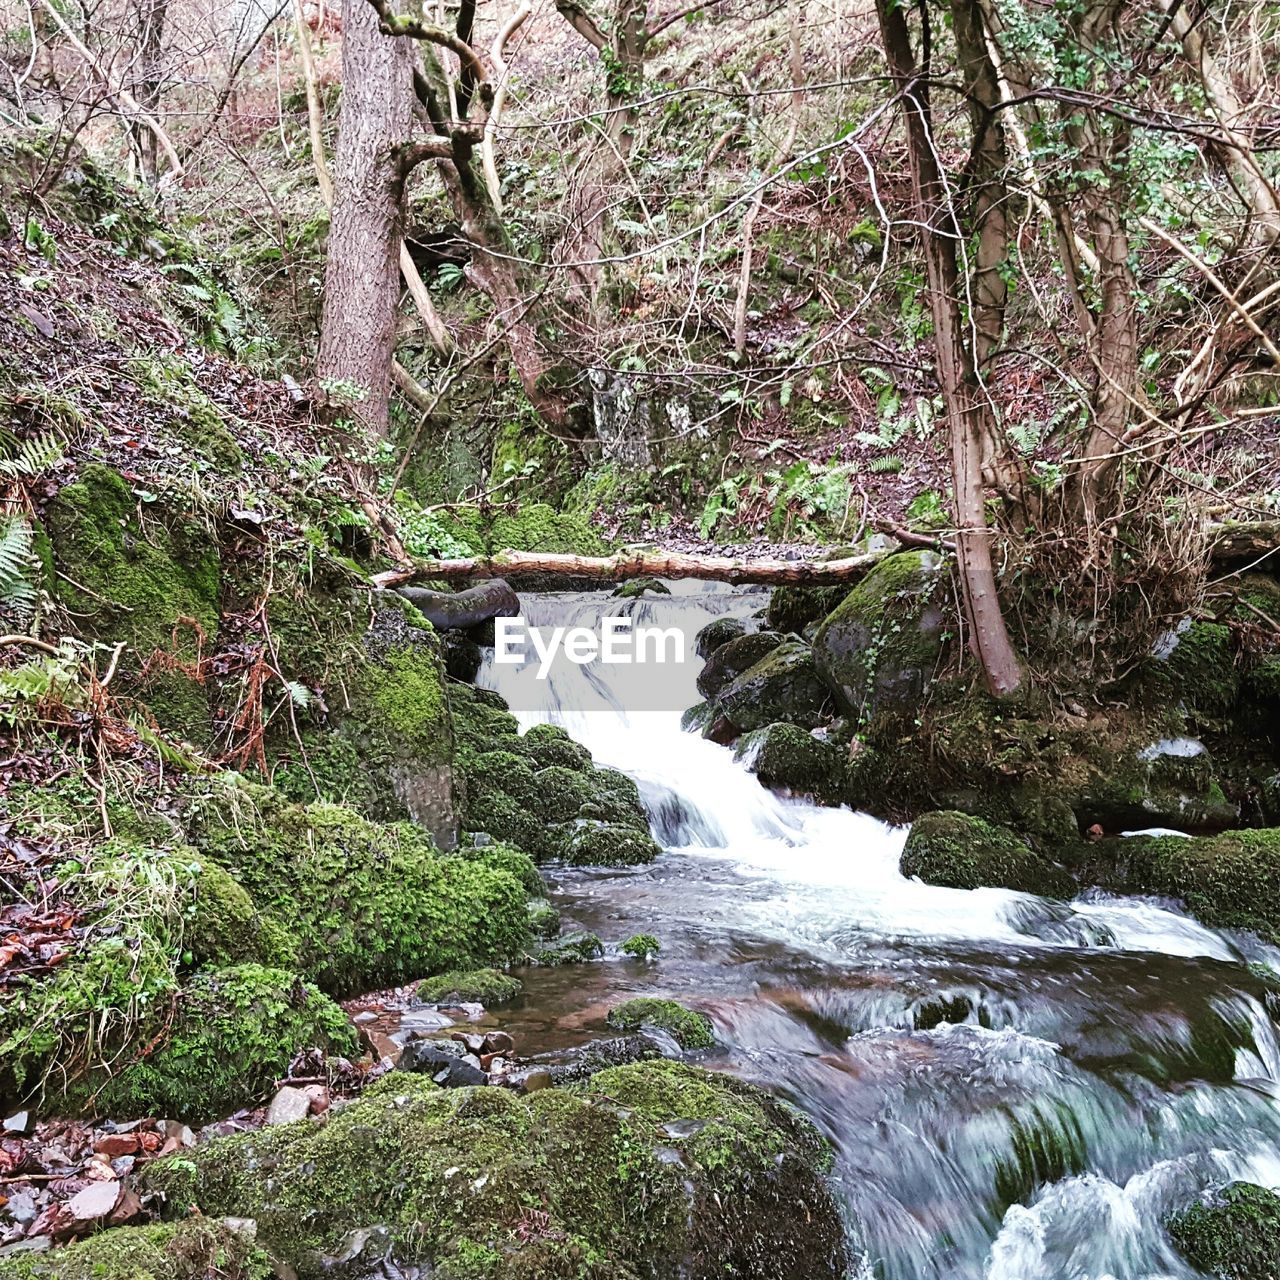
column 1015, row 1089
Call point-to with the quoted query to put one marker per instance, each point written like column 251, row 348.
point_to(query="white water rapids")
column 1016, row 1089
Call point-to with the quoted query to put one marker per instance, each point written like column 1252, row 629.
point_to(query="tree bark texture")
column 365, row 231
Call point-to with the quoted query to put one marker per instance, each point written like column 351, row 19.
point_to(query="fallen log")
column 641, row 564
column 450, row 610
column 1245, row 540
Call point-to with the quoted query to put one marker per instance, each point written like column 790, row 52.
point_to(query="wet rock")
column 573, row 948
column 962, row 852
column 786, row 757
column 288, row 1105
column 688, row 1028
column 446, row 1062
column 581, row 1063
column 783, row 686
column 717, row 633
column 793, row 609
column 608, row 844
column 462, row 656
column 1232, row 1233
column 497, row 1042
column 731, row 659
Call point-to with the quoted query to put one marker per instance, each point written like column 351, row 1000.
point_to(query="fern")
column 32, row 458
column 888, row 465
column 18, row 593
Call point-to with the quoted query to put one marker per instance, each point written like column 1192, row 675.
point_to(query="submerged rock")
column 451, row 1175
column 962, row 852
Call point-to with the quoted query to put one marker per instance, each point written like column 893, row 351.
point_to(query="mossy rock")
column 233, row 1032
column 483, row 986
column 717, row 633
column 1233, row 1234
column 688, row 1028
column 451, row 1175
column 783, row 686
column 196, row 1249
column 368, row 904
column 958, row 851
column 642, row 946
column 574, row 948
column 879, row 648
column 608, row 844
column 1169, row 782
column 533, row 526
column 153, row 585
column 1228, row 881
column 1194, row 666
column 730, row 659
column 387, row 746
column 792, row 609
column 505, row 857
column 549, row 745
column 223, row 926
column 786, row 757
column 544, row 919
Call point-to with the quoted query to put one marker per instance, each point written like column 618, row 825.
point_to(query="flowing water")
column 1016, row 1089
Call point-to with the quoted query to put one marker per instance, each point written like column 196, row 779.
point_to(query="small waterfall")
column 1016, row 1089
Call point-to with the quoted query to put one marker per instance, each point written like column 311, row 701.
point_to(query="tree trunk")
column 966, row 409
column 365, row 232
column 640, row 564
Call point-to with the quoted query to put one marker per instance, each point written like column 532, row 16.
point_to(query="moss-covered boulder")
column 788, row 758
column 1167, row 782
column 384, row 744
column 540, row 790
column 196, row 1249
column 481, row 986
column 783, row 686
column 879, row 648
column 367, row 904
column 729, row 660
column 150, row 582
column 687, row 1027
column 717, row 632
column 655, row 1169
column 1232, row 1234
column 962, row 852
column 1228, row 881
column 229, row 1035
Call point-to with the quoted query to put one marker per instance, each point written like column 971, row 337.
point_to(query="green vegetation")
column 1233, row 1234
column 453, row 1173
column 688, row 1028
column 962, row 852
column 484, row 986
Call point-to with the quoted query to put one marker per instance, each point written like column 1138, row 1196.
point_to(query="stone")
column 717, row 632
column 444, row 1061
column 498, row 1042
column 782, row 686
column 877, row 650
column 731, row 659
column 288, row 1105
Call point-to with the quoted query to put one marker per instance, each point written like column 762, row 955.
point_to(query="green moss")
column 196, row 1249
column 515, row 862
column 193, row 418
column 1233, row 1234
column 561, row 792
column 544, row 920
column 549, row 1186
column 152, row 583
column 222, row 925
column 792, row 609
column 688, row 1028
column 531, row 527
column 962, row 852
column 879, row 648
column 232, row 1033
column 542, row 462
column 644, row 946
column 605, row 844
column 783, row 686
column 368, row 904
column 1198, row 673
column 484, row 986
column 786, row 756
column 577, row 948
column 1228, row 881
